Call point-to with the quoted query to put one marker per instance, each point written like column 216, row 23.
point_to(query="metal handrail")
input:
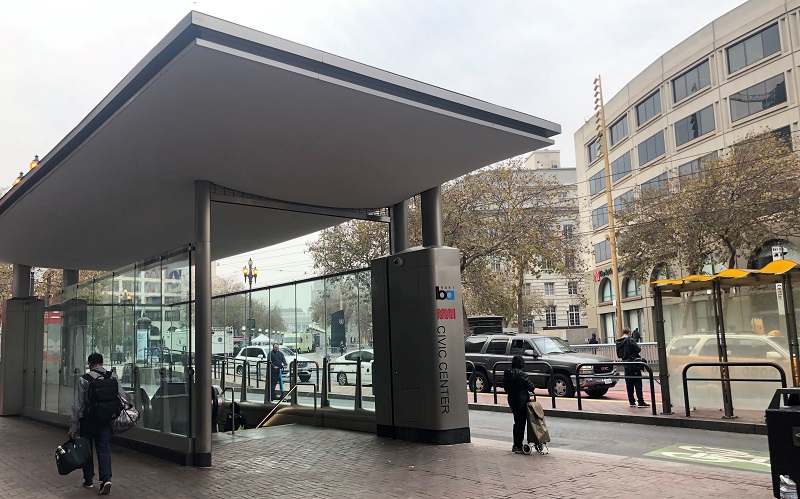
column 471, row 382
column 640, row 365
column 550, row 390
column 358, row 402
column 726, row 378
column 278, row 403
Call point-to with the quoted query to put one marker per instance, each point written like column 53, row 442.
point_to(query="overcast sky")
column 59, row 59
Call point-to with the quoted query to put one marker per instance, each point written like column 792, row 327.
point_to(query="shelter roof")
column 255, row 114
column 773, row 272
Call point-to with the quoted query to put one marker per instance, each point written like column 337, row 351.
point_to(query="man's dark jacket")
column 517, row 387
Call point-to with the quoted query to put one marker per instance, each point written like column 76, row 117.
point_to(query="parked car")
column 254, row 354
column 485, row 350
column 344, row 367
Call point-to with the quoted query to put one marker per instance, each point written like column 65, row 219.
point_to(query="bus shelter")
column 733, row 330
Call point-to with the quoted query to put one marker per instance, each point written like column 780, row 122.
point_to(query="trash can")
column 783, row 436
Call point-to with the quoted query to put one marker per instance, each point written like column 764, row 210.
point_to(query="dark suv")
column 486, row 350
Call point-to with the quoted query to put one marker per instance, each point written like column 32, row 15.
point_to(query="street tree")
column 504, row 219
column 720, row 212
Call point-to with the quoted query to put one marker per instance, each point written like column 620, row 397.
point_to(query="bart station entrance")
column 223, row 140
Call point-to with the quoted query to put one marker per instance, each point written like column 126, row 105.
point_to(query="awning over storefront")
column 257, row 115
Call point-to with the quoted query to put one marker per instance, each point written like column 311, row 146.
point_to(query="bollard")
column 243, row 396
column 293, row 371
column 325, row 382
column 358, row 384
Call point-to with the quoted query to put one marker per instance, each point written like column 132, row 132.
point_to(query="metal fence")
column 649, row 351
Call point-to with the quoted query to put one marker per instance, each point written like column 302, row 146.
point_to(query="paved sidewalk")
column 298, row 461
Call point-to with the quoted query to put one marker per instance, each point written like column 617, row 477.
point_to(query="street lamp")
column 250, row 275
column 34, row 162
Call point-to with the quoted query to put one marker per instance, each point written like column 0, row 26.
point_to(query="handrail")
column 358, row 402
column 278, row 403
column 727, row 378
column 550, row 390
column 471, row 382
column 641, row 365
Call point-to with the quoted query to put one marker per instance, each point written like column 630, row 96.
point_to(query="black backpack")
column 103, row 397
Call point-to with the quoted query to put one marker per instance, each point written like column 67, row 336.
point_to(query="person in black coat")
column 628, row 351
column 518, row 388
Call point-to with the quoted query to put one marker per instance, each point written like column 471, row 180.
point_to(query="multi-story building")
column 736, row 75
column 564, row 312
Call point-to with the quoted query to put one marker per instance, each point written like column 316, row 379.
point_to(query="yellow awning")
column 732, row 277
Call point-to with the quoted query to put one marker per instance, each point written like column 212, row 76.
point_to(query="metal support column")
column 202, row 327
column 69, row 278
column 661, row 343
column 21, row 281
column 724, row 371
column 791, row 329
column 432, row 218
column 398, row 227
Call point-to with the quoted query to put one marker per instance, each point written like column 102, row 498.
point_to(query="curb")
column 697, row 424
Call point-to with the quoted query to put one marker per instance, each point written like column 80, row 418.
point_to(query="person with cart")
column 518, row 389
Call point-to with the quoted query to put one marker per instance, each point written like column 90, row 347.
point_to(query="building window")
column 759, row 97
column 527, row 289
column 550, row 316
column 606, row 291
column 648, row 108
column 574, row 315
column 572, row 288
column 496, row 263
column 562, row 196
column 651, row 148
column 754, row 48
column 620, row 166
column 597, row 182
column 618, row 130
column 569, row 263
column 692, row 167
column 632, row 288
column 619, row 201
column 602, row 251
column 609, row 322
column 549, row 288
column 692, row 81
column 695, row 125
column 655, row 184
column 600, row 216
column 592, row 149
column 568, row 231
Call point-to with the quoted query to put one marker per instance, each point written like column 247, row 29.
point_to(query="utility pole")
column 601, row 139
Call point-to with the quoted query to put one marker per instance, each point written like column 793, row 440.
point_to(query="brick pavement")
column 297, row 461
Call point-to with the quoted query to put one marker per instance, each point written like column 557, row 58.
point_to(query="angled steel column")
column 202, row 324
column 398, row 227
column 663, row 368
column 432, row 218
column 21, row 281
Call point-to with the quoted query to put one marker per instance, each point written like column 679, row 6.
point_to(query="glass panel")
column 307, row 339
column 753, row 49
column 73, row 346
column 770, row 40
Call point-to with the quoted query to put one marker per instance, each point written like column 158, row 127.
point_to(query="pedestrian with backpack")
column 97, row 401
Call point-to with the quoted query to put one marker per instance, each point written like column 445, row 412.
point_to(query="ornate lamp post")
column 250, row 275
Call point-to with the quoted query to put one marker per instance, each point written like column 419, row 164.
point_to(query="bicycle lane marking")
column 716, row 456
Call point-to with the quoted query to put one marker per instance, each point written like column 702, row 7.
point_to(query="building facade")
column 736, row 75
column 564, row 313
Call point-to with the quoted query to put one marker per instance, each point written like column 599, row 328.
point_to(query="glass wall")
column 141, row 319
column 755, row 331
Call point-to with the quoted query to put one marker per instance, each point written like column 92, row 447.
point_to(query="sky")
column 59, row 59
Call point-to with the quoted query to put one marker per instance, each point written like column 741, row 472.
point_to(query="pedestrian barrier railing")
column 549, row 374
column 292, row 392
column 649, row 350
column 471, row 380
column 358, row 387
column 640, row 365
column 726, row 379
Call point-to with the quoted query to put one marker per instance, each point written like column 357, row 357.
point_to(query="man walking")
column 97, row 401
column 278, row 362
column 628, row 351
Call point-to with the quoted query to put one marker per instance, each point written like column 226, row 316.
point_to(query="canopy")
column 261, row 339
column 256, row 115
column 771, row 273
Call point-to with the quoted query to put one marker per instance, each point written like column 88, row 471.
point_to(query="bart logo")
column 445, row 294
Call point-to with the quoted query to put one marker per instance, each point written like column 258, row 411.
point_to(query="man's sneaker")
column 105, row 489
column 633, row 404
column 643, row 404
column 516, row 450
column 88, row 485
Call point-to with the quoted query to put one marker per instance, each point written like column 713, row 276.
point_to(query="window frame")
column 595, row 182
column 549, row 289
column 550, row 317
column 748, row 103
column 616, row 175
column 701, row 117
column 743, row 43
column 574, row 315
column 600, row 219
column 706, row 63
column 650, row 159
column 623, row 120
column 643, row 102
